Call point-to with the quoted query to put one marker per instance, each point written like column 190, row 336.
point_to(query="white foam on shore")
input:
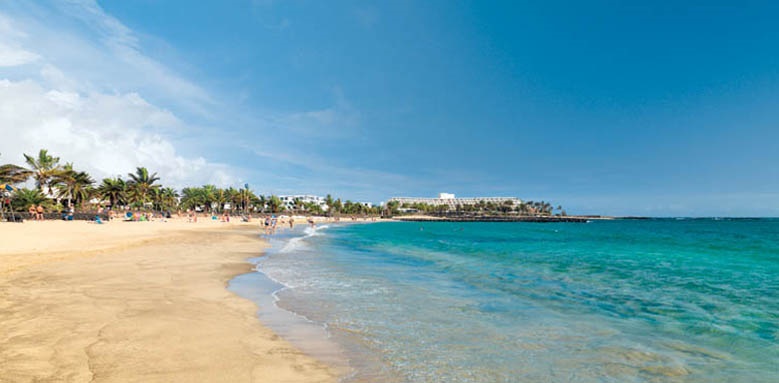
column 312, row 337
column 298, row 243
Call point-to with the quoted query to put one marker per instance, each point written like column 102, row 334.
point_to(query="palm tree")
column 523, row 208
column 232, row 196
column 13, row 174
column 298, row 205
column 391, row 208
column 337, row 206
column 507, row 206
column 245, row 196
column 262, row 202
column 546, row 207
column 274, row 204
column 221, row 198
column 44, row 169
column 24, row 198
column 167, row 198
column 329, row 202
column 192, row 198
column 72, row 185
column 141, row 184
column 83, row 189
column 313, row 208
column 114, row 189
column 210, row 196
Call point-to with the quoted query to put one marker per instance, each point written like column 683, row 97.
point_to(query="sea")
column 658, row 300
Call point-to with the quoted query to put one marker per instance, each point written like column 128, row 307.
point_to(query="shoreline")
column 507, row 218
column 148, row 302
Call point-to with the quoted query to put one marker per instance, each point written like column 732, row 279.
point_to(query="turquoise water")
column 608, row 301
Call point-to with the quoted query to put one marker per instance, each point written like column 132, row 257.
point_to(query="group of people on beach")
column 270, row 222
column 270, row 225
column 36, row 212
column 225, row 217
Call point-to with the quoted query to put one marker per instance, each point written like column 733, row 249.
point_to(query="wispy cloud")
column 326, row 177
column 335, row 122
column 77, row 81
column 11, row 54
column 83, row 41
column 82, row 98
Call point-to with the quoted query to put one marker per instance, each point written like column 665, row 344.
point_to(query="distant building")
column 366, row 204
column 451, row 201
column 288, row 201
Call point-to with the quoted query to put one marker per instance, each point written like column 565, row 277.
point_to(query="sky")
column 656, row 108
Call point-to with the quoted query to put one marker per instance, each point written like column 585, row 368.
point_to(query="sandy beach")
column 136, row 302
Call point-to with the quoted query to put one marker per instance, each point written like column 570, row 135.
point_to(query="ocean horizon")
column 657, row 300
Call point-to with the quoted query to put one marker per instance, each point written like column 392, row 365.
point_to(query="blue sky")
column 654, row 108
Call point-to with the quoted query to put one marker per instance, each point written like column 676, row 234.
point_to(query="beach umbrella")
column 5, row 189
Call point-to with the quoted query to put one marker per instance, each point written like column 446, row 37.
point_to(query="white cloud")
column 97, row 50
column 10, row 53
column 107, row 135
column 10, row 56
column 83, row 86
column 83, row 100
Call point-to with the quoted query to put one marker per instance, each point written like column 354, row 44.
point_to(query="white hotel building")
column 288, row 201
column 450, row 200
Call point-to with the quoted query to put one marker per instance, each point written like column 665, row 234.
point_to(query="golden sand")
column 136, row 302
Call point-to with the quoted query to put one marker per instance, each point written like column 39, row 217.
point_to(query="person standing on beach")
column 40, row 212
column 291, row 222
column 33, row 213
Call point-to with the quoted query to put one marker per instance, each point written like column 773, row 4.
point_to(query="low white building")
column 289, row 201
column 451, row 201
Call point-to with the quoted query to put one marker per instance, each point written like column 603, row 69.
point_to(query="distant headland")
column 447, row 207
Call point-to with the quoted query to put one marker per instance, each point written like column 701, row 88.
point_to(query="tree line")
column 60, row 186
column 525, row 208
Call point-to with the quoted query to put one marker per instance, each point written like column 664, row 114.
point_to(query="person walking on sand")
column 291, row 222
